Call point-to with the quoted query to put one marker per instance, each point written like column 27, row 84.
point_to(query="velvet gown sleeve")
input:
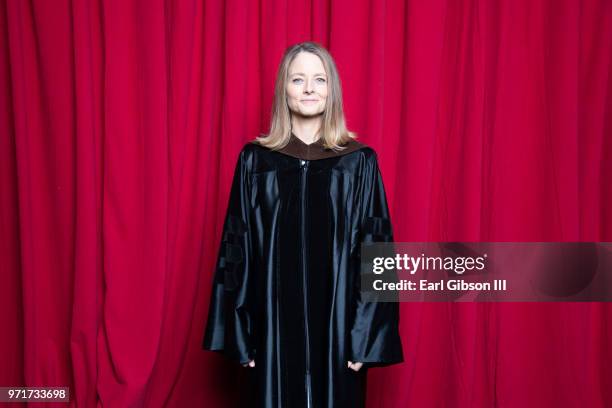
column 375, row 339
column 230, row 320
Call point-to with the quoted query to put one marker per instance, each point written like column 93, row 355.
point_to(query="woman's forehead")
column 306, row 62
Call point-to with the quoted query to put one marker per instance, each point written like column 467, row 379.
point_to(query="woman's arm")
column 229, row 327
column 375, row 337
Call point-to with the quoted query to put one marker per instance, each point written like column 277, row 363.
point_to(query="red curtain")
column 120, row 123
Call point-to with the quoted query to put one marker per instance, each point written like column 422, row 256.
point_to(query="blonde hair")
column 333, row 128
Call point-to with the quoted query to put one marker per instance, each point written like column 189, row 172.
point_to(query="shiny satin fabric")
column 286, row 287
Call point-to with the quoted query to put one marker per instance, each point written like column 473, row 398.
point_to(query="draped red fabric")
column 120, row 124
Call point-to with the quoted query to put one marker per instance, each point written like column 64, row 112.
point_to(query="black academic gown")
column 286, row 287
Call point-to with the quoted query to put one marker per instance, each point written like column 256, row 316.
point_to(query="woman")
column 285, row 301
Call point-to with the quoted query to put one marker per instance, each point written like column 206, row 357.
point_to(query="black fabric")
column 291, row 221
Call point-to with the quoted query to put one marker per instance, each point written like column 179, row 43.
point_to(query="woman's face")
column 306, row 85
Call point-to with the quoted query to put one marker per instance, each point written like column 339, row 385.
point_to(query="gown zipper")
column 304, row 165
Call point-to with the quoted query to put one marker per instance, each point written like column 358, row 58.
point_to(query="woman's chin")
column 308, row 113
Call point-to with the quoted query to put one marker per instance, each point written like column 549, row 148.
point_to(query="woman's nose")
column 308, row 88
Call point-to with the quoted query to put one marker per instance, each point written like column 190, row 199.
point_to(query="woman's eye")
column 300, row 80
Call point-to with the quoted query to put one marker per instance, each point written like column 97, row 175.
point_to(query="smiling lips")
column 309, row 100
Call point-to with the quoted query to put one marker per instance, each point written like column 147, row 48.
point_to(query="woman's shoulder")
column 366, row 151
column 353, row 145
column 251, row 147
column 356, row 148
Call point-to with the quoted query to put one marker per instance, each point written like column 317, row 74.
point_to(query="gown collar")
column 316, row 150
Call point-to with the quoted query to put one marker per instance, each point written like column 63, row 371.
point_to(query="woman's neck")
column 306, row 128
